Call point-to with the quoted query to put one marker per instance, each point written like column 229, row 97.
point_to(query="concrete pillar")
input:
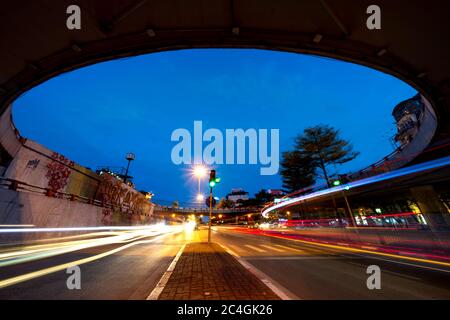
column 432, row 208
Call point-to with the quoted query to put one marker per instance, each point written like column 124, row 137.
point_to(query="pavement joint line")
column 156, row 292
column 278, row 289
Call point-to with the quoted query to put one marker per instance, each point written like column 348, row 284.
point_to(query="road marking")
column 254, row 248
column 235, row 248
column 272, row 248
column 289, row 248
column 154, row 295
column 278, row 289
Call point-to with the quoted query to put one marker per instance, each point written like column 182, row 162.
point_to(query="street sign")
column 207, row 202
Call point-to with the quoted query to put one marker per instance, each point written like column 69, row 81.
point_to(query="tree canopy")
column 315, row 150
column 297, row 171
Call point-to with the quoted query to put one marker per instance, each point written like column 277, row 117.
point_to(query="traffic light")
column 213, row 180
column 336, row 183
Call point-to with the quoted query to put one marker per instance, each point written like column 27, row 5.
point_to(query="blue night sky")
column 96, row 114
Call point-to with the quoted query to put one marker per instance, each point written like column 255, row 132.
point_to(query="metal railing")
column 206, row 210
column 19, row 186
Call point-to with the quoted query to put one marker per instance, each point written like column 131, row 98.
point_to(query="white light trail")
column 32, row 275
column 435, row 164
column 72, row 229
column 35, row 252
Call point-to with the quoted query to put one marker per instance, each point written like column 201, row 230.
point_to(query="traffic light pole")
column 210, row 213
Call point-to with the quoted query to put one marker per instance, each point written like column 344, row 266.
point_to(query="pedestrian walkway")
column 206, row 272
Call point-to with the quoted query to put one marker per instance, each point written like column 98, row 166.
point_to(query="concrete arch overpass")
column 36, row 44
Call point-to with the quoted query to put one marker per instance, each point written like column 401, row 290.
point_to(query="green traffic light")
column 217, row 180
column 336, row 183
column 212, row 184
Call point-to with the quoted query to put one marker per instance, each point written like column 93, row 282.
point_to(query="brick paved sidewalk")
column 206, row 272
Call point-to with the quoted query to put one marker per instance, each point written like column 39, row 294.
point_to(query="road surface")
column 131, row 268
column 128, row 274
column 314, row 272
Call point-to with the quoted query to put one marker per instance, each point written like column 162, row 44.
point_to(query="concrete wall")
column 406, row 154
column 31, row 164
column 40, row 167
column 425, row 133
column 24, row 208
column 8, row 137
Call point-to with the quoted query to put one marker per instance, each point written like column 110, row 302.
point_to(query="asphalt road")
column 301, row 271
column 314, row 272
column 128, row 274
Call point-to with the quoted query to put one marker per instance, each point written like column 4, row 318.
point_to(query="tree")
column 263, row 196
column 297, row 170
column 225, row 203
column 324, row 147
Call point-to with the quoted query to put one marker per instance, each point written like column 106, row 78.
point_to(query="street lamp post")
column 199, row 172
column 130, row 157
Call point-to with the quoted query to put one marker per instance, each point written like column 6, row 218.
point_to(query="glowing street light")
column 149, row 195
column 200, row 197
column 199, row 171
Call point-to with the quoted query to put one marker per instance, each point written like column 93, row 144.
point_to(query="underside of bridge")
column 322, row 245
column 35, row 43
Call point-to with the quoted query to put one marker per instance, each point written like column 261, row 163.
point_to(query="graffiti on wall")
column 122, row 199
column 58, row 172
column 32, row 164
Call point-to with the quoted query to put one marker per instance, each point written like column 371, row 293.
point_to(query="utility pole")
column 349, row 209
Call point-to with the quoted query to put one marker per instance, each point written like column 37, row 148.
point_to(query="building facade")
column 238, row 194
column 408, row 114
